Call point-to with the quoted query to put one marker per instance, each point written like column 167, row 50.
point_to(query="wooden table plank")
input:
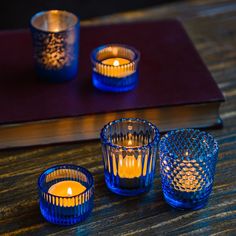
column 212, row 27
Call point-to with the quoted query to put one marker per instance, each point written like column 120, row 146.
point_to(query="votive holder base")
column 109, row 84
column 185, row 203
column 127, row 187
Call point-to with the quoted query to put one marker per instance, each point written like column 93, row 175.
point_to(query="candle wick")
column 69, row 191
column 116, row 63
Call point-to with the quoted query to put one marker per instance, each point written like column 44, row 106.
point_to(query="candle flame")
column 116, row 63
column 130, row 142
column 69, row 191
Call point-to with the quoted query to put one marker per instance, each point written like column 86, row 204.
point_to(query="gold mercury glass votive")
column 55, row 35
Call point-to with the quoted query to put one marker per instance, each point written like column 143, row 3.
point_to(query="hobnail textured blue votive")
column 55, row 36
column 187, row 164
column 115, row 67
column 66, row 194
column 129, row 148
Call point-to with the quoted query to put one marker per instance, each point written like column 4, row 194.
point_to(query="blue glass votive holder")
column 187, row 163
column 129, row 148
column 115, row 67
column 66, row 194
column 55, row 36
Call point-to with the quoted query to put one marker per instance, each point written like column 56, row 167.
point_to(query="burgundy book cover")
column 171, row 73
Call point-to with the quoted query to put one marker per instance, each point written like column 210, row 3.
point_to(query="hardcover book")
column 175, row 88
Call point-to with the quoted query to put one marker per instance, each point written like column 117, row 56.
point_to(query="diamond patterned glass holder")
column 119, row 78
column 65, row 210
column 129, row 148
column 55, row 36
column 187, row 164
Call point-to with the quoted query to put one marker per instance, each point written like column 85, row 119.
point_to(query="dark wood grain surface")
column 212, row 26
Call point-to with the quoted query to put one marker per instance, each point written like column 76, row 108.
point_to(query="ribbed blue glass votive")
column 55, row 35
column 129, row 148
column 66, row 194
column 115, row 67
column 187, row 163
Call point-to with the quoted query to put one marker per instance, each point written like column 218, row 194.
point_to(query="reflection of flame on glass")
column 187, row 178
column 130, row 127
column 69, row 191
column 116, row 63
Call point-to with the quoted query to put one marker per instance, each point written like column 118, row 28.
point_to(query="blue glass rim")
column 163, row 147
column 155, row 139
column 94, row 53
column 41, row 13
column 66, row 166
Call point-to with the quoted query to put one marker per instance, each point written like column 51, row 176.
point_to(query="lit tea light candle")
column 68, row 201
column 116, row 61
column 67, row 189
column 130, row 167
column 115, row 67
column 129, row 154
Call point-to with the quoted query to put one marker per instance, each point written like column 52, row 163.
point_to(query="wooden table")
column 212, row 26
